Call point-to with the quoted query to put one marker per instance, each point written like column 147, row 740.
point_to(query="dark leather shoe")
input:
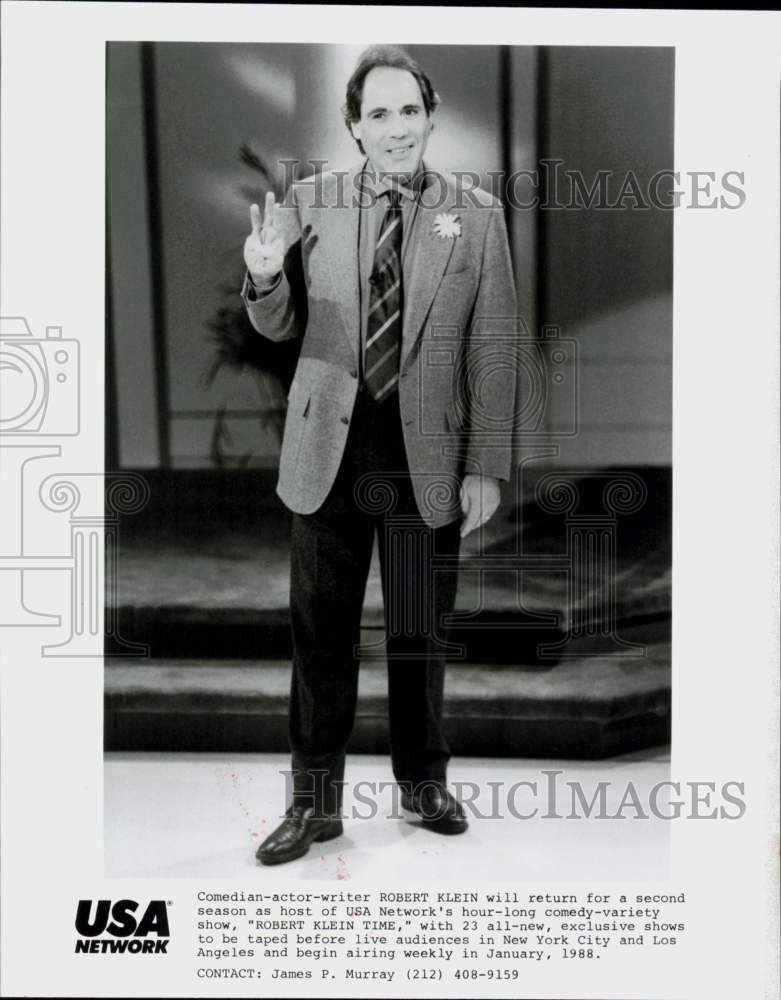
column 436, row 807
column 296, row 834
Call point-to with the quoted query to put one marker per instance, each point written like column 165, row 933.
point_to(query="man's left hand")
column 480, row 497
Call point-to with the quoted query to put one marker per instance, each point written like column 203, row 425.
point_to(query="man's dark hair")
column 394, row 58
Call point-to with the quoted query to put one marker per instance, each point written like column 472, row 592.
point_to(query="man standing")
column 398, row 424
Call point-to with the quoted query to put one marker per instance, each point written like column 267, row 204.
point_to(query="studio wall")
column 178, row 198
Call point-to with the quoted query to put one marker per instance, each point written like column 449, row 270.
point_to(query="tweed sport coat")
column 458, row 371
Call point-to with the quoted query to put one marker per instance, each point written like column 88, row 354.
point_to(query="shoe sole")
column 331, row 832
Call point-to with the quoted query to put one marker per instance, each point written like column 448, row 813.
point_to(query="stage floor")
column 171, row 815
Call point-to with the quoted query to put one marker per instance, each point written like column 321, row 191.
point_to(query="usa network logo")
column 125, row 926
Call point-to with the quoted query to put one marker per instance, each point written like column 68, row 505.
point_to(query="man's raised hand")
column 264, row 248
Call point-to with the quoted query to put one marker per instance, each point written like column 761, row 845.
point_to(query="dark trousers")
column 330, row 560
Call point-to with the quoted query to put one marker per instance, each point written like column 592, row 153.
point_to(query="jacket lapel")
column 432, row 254
column 340, row 235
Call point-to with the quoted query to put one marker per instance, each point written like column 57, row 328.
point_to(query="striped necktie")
column 383, row 332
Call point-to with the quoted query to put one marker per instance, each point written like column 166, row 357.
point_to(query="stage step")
column 589, row 704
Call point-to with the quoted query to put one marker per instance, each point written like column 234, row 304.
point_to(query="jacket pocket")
column 295, row 425
column 462, row 272
column 298, row 399
column 454, row 422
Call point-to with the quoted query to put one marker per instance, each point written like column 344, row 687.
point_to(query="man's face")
column 394, row 127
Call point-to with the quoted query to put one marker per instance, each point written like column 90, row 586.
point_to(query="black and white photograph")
column 405, row 421
column 389, row 459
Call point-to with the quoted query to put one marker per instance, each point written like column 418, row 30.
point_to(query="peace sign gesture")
column 264, row 248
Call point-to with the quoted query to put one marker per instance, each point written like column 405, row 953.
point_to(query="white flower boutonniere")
column 447, row 225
